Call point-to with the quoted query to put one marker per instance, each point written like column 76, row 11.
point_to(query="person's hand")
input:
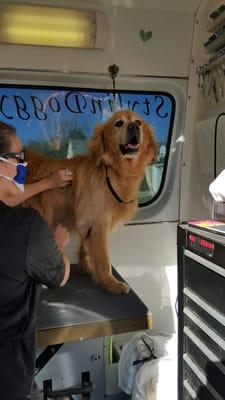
column 62, row 237
column 60, row 178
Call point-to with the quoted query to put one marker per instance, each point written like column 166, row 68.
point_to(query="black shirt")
column 28, row 257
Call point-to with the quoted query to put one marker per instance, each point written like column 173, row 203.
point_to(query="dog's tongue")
column 132, row 145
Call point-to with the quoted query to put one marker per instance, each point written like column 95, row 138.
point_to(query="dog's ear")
column 152, row 148
column 96, row 143
column 97, row 146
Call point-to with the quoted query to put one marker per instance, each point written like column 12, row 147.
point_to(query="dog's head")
column 124, row 136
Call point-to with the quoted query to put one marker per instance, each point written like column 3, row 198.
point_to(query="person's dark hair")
column 6, row 133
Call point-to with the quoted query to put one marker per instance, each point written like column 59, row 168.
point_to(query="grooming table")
column 82, row 310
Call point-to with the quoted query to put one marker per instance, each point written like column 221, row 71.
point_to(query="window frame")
column 114, row 92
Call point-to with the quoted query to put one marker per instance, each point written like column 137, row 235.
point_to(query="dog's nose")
column 133, row 127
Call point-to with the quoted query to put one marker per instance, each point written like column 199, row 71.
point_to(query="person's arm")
column 67, row 269
column 62, row 238
column 58, row 178
column 46, row 264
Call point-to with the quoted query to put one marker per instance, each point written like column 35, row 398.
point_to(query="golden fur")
column 87, row 205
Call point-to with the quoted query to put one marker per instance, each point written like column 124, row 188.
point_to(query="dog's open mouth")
column 130, row 148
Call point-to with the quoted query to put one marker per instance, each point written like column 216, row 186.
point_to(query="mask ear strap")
column 6, row 177
column 5, row 159
column 24, row 163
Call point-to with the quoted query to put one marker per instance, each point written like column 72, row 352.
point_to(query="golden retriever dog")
column 104, row 189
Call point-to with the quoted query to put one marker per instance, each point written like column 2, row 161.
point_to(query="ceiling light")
column 50, row 26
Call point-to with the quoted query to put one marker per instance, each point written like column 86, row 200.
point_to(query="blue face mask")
column 20, row 178
column 21, row 169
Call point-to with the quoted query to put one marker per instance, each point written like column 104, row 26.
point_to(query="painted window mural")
column 59, row 121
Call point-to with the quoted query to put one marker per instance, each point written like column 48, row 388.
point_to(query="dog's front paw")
column 125, row 288
column 118, row 288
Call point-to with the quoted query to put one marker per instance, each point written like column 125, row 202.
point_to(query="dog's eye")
column 119, row 123
column 138, row 122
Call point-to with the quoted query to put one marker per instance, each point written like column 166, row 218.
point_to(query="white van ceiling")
column 179, row 6
column 186, row 6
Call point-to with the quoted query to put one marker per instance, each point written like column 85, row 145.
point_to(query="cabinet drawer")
column 194, row 387
column 206, row 279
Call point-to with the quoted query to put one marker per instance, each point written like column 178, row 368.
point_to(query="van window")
column 59, row 121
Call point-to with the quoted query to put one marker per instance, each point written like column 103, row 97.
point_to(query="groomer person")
column 29, row 256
